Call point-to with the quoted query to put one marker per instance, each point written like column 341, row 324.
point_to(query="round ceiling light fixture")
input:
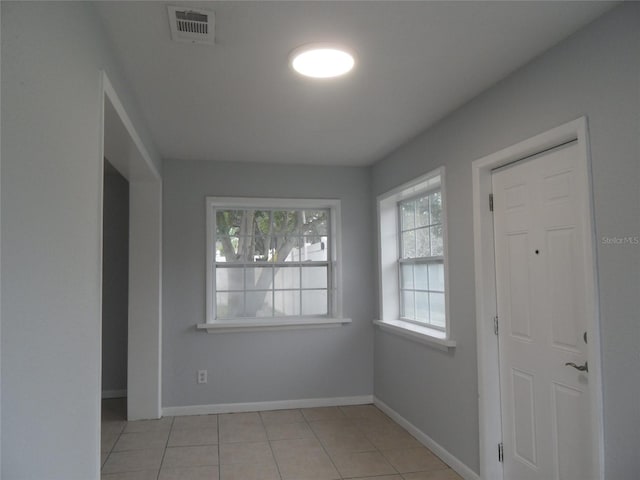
column 322, row 60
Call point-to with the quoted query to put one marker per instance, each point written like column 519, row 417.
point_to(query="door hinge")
column 496, row 327
column 491, row 202
column 500, row 452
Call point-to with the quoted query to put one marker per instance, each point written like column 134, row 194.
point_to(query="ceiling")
column 238, row 100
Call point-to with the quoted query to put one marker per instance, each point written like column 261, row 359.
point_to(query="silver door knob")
column 582, row 368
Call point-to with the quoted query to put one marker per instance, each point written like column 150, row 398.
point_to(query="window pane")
column 314, row 302
column 285, row 248
column 229, row 278
column 406, row 275
column 315, row 223
column 259, row 278
column 435, row 207
column 286, row 302
column 286, row 222
column 229, row 305
column 278, row 243
column 287, row 277
column 422, row 281
column 422, row 212
column 258, row 249
column 436, row 241
column 423, row 248
column 436, row 302
column 248, row 249
column 407, row 215
column 409, row 244
column 258, row 304
column 314, row 248
column 436, row 277
column 314, row 277
column 255, row 223
column 228, row 222
column 407, row 307
column 226, row 249
column 422, row 307
column 242, row 222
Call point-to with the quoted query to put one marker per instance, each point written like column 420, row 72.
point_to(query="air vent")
column 193, row 26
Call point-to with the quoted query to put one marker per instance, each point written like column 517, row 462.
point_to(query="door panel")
column 524, row 417
column 565, row 324
column 519, row 286
column 542, row 303
column 572, row 456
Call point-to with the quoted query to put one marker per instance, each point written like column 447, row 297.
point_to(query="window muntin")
column 421, row 260
column 421, row 226
column 271, row 262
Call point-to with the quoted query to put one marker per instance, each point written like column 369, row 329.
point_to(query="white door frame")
column 489, row 408
column 131, row 158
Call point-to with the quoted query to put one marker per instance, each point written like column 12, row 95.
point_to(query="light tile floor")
column 307, row 444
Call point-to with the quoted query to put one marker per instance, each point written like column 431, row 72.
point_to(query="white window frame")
column 389, row 265
column 334, row 316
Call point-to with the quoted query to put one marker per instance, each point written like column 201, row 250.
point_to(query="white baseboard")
column 448, row 458
column 262, row 406
column 114, row 393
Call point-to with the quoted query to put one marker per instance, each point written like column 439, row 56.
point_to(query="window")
column 413, row 297
column 272, row 259
column 421, row 262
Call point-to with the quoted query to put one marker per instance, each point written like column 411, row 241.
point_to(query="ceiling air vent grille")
column 193, row 26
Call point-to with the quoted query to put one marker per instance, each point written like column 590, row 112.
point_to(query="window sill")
column 256, row 325
column 426, row 335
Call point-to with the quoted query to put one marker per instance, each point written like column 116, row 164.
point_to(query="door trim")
column 489, row 409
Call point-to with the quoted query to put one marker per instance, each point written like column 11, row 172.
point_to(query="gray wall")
column 115, row 280
column 594, row 73
column 52, row 54
column 262, row 366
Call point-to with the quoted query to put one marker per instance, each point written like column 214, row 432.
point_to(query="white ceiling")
column 239, row 101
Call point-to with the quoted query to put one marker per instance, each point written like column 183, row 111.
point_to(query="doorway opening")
column 115, row 292
column 131, row 171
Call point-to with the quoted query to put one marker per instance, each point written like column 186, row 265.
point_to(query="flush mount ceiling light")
column 321, row 60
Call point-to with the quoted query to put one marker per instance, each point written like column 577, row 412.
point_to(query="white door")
column 543, row 311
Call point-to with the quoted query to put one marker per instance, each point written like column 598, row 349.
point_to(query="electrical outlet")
column 202, row 376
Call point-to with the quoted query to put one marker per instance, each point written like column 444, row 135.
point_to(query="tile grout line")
column 401, row 474
column 359, row 422
column 173, row 419
column 112, row 446
column 264, row 425
column 375, row 446
column 323, row 447
column 124, row 425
